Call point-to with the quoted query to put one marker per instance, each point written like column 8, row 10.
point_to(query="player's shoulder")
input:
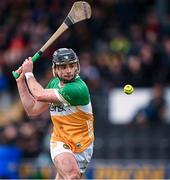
column 77, row 83
column 76, row 92
column 79, row 80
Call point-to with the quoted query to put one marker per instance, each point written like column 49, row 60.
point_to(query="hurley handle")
column 34, row 58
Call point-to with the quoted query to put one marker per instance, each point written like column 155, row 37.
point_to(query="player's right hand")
column 21, row 77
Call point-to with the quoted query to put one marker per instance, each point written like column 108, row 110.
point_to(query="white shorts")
column 82, row 158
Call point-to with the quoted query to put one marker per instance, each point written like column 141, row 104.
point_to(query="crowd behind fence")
column 124, row 42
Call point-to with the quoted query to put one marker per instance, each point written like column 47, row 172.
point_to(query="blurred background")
column 125, row 42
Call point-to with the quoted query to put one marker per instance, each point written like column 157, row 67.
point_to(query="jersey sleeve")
column 53, row 84
column 75, row 93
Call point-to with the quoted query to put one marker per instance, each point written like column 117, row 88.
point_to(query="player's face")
column 66, row 71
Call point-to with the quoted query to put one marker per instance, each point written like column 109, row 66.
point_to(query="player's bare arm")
column 39, row 93
column 30, row 104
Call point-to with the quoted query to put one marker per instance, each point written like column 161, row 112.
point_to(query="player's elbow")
column 31, row 113
column 39, row 96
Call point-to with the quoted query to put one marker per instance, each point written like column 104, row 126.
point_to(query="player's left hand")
column 27, row 65
column 21, row 77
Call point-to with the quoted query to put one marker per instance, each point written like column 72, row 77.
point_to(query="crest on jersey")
column 78, row 144
column 65, row 146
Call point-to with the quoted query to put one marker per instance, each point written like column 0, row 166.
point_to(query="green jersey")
column 72, row 93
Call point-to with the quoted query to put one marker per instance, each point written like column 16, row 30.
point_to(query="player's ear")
column 78, row 68
column 53, row 70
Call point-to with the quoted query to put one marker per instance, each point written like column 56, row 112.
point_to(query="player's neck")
column 61, row 83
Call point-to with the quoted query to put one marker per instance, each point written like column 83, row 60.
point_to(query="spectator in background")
column 152, row 29
column 10, row 153
column 134, row 74
column 154, row 112
column 146, row 56
column 164, row 72
column 89, row 72
column 120, row 43
column 117, row 69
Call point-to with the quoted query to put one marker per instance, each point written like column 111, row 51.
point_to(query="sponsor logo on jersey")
column 59, row 108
